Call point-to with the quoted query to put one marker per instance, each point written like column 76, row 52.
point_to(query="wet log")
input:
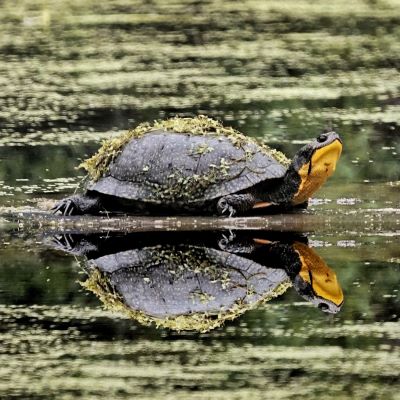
column 361, row 221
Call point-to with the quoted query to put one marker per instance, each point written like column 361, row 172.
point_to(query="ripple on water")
column 73, row 73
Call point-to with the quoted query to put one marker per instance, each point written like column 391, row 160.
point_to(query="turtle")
column 196, row 280
column 196, row 165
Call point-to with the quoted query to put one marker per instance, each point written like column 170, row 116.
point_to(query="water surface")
column 74, row 74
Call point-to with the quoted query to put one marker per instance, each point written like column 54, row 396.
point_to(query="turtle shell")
column 170, row 168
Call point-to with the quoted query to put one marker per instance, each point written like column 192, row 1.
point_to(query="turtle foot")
column 224, row 208
column 66, row 206
column 234, row 203
column 77, row 205
column 73, row 244
column 225, row 242
column 232, row 244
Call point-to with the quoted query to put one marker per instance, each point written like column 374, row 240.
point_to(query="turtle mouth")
column 324, row 159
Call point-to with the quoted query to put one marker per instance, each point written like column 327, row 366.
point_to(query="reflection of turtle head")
column 316, row 282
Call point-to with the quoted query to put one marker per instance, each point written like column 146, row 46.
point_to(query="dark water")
column 74, row 74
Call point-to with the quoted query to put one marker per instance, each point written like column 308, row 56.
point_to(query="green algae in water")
column 97, row 165
column 62, row 61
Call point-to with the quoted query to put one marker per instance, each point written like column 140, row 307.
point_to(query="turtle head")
column 315, row 163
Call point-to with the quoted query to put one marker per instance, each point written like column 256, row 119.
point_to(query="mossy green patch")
column 98, row 164
column 179, row 187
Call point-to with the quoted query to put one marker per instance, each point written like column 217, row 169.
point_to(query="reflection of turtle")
column 197, row 283
column 195, row 164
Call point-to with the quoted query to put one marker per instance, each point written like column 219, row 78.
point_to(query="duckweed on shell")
column 97, row 165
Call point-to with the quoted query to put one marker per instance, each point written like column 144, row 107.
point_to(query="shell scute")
column 162, row 167
column 182, row 160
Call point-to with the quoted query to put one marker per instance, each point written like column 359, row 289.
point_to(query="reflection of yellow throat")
column 322, row 164
column 314, row 271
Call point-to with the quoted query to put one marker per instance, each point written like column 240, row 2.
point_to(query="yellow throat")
column 314, row 173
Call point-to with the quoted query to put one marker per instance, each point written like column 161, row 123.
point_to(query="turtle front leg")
column 78, row 205
column 235, row 203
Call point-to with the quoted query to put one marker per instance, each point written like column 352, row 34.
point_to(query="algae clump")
column 97, row 165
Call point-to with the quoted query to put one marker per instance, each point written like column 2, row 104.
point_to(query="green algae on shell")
column 179, row 187
column 97, row 165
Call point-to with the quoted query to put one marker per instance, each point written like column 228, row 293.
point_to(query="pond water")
column 74, row 74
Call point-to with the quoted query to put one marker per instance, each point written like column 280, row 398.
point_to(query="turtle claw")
column 226, row 241
column 56, row 207
column 64, row 242
column 232, row 244
column 77, row 205
column 65, row 207
column 73, row 244
column 225, row 208
column 70, row 208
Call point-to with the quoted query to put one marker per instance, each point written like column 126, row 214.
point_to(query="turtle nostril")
column 322, row 138
column 323, row 306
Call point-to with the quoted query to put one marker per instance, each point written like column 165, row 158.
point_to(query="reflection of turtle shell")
column 183, row 287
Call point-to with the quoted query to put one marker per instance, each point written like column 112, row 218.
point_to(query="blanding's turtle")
column 196, row 165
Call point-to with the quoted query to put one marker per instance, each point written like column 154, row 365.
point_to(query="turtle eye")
column 322, row 138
